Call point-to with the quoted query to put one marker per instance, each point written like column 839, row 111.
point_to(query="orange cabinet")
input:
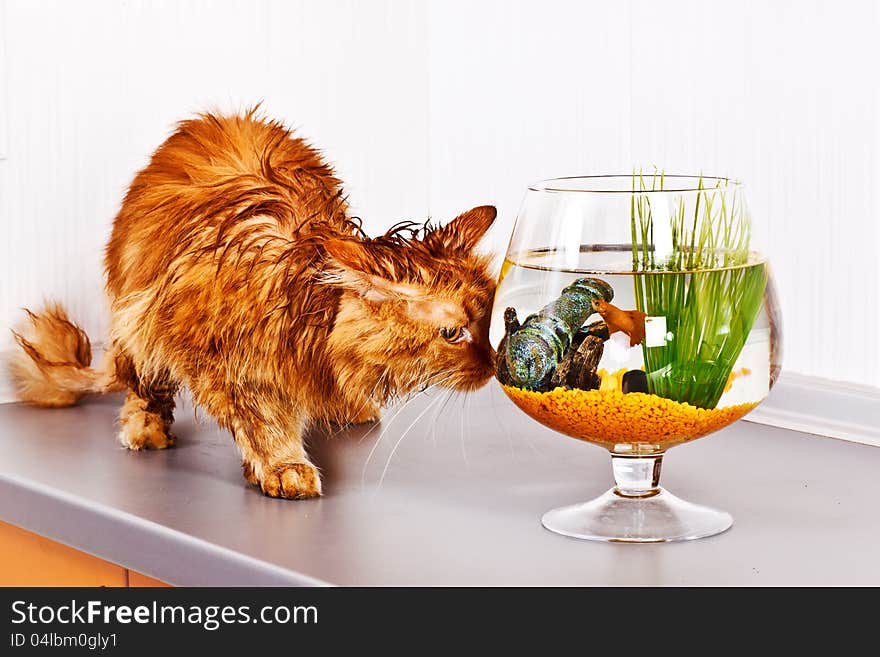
column 28, row 559
column 137, row 580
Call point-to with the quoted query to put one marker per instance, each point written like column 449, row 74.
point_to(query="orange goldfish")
column 631, row 322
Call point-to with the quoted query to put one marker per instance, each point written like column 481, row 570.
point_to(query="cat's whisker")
column 426, row 384
column 447, row 375
column 385, row 428
column 406, row 402
column 402, row 436
column 437, row 415
column 363, row 407
column 464, row 406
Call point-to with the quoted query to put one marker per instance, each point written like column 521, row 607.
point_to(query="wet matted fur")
column 234, row 269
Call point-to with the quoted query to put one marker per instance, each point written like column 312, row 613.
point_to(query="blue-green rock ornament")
column 530, row 352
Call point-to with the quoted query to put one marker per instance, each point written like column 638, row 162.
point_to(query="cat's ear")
column 466, row 230
column 349, row 267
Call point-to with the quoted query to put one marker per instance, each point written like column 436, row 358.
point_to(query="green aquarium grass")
column 709, row 289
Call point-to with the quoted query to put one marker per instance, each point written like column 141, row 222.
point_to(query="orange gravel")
column 610, row 417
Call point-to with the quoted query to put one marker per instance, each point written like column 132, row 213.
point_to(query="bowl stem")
column 636, row 475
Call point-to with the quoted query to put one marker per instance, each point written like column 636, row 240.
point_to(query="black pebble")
column 635, row 381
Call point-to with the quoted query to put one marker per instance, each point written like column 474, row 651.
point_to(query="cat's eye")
column 454, row 334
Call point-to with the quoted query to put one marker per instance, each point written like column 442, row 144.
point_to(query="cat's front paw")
column 293, row 481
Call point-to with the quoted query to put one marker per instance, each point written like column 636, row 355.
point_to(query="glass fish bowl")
column 632, row 312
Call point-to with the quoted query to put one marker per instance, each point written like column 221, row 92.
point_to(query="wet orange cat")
column 235, row 270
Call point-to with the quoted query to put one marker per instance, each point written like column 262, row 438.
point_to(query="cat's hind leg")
column 144, row 424
column 148, row 411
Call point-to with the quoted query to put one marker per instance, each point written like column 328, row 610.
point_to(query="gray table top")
column 460, row 503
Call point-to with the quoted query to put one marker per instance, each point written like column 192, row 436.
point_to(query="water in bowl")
column 707, row 358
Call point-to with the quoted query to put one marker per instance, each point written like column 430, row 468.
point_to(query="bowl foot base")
column 657, row 518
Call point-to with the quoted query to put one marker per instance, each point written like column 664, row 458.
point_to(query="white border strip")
column 826, row 408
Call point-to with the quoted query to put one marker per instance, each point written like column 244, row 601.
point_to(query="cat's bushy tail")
column 52, row 366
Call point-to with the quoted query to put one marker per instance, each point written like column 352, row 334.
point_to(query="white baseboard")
column 820, row 406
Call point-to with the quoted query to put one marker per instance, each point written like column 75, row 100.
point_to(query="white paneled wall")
column 783, row 95
column 3, row 103
column 432, row 107
column 95, row 86
column 522, row 91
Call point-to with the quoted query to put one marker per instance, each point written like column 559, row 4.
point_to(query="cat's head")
column 415, row 304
